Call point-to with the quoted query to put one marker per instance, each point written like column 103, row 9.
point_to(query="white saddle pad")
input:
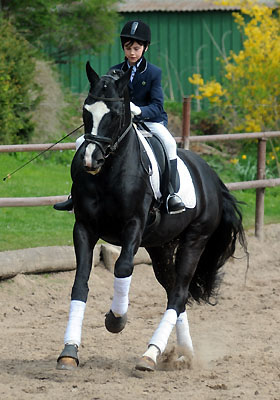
column 186, row 190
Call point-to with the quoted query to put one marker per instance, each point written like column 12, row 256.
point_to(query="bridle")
column 105, row 98
column 101, row 141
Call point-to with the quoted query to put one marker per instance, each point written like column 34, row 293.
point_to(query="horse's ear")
column 91, row 74
column 122, row 82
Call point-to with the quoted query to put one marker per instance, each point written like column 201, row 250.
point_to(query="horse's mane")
column 117, row 74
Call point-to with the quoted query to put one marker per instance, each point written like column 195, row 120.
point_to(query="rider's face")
column 133, row 52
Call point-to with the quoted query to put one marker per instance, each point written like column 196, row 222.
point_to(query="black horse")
column 113, row 200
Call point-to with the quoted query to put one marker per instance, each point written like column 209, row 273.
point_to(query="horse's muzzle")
column 93, row 171
column 93, row 159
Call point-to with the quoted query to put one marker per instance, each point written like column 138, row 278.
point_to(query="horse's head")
column 106, row 115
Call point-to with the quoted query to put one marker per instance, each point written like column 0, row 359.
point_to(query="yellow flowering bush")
column 249, row 96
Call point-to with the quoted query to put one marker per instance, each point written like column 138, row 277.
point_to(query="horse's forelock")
column 104, row 88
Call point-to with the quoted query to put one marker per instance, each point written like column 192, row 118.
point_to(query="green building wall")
column 183, row 43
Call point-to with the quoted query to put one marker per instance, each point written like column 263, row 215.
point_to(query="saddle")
column 160, row 153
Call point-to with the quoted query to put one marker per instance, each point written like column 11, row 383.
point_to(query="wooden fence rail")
column 35, row 147
column 260, row 184
column 50, row 200
column 203, row 138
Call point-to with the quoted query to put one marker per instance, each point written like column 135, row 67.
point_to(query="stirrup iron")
column 174, row 204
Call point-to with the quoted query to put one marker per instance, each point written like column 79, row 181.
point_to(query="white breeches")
column 160, row 130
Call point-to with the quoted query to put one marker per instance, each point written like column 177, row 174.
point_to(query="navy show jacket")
column 146, row 91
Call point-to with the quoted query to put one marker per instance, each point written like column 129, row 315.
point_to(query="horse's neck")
column 127, row 154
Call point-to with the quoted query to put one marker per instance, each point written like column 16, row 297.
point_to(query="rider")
column 146, row 97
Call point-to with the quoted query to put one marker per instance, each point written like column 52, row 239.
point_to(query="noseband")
column 100, row 142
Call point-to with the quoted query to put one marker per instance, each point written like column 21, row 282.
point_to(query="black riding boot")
column 174, row 203
column 65, row 205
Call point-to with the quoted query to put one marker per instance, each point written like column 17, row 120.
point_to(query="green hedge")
column 18, row 93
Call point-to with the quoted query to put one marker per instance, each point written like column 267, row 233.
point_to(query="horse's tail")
column 219, row 249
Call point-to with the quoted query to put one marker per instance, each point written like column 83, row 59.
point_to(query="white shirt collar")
column 134, row 67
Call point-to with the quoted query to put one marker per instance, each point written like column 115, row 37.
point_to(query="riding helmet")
column 136, row 30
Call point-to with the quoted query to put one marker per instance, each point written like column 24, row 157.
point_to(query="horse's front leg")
column 84, row 242
column 116, row 318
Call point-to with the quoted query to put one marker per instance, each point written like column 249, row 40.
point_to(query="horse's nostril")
column 97, row 163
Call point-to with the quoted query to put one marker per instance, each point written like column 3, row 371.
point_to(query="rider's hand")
column 135, row 110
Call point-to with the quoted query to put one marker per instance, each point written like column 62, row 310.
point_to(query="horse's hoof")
column 67, row 363
column 68, row 358
column 115, row 324
column 146, row 364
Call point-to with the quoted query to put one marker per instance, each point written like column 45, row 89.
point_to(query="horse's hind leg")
column 187, row 256
column 184, row 340
column 159, row 340
column 164, row 269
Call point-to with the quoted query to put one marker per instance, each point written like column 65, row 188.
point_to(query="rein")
column 115, row 145
column 42, row 152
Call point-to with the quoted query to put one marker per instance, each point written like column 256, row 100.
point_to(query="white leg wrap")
column 152, row 353
column 183, row 332
column 73, row 332
column 120, row 298
column 162, row 333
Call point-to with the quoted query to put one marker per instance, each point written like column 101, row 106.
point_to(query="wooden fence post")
column 259, row 220
column 186, row 122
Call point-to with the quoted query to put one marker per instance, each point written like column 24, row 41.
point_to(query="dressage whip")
column 42, row 152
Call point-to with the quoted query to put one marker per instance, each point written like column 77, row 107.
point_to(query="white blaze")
column 89, row 150
column 98, row 110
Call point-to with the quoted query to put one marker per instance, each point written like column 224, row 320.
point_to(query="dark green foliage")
column 205, row 123
column 173, row 107
column 18, row 93
column 65, row 26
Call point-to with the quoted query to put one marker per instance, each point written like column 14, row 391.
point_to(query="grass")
column 230, row 173
column 271, row 206
column 23, row 227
